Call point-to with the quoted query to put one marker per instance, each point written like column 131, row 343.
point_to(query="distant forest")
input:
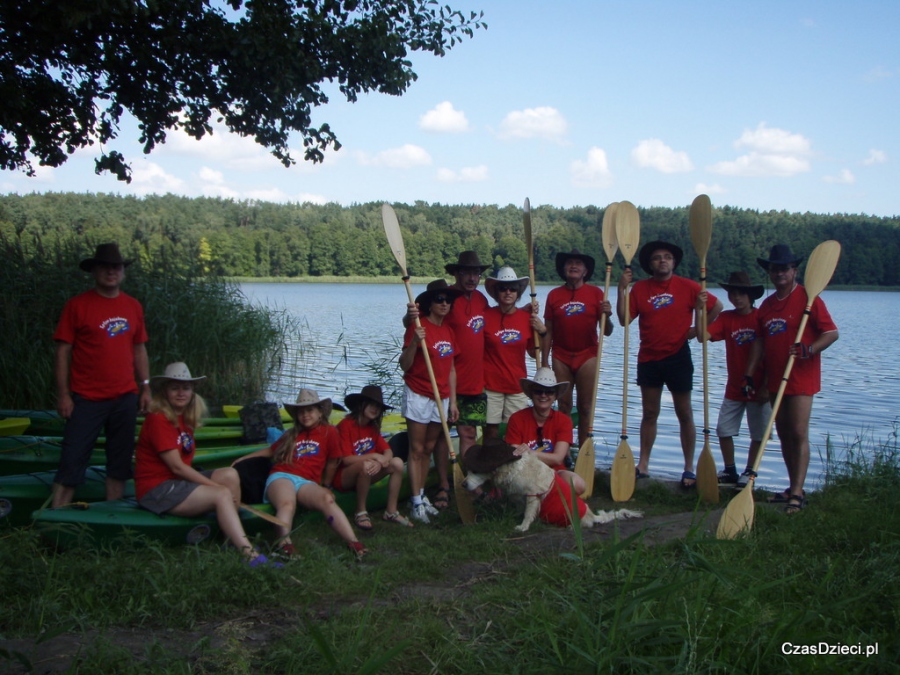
column 258, row 239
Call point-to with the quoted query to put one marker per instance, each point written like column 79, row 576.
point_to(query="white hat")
column 308, row 397
column 179, row 372
column 505, row 276
column 544, row 378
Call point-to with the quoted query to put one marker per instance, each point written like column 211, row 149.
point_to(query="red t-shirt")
column 778, row 323
column 103, row 333
column 507, row 338
column 312, row 450
column 739, row 332
column 466, row 319
column 441, row 348
column 557, row 504
column 575, row 316
column 665, row 313
column 523, row 428
column 357, row 440
column 159, row 435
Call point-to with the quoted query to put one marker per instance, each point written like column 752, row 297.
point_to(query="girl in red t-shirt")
column 367, row 456
column 165, row 481
column 304, row 460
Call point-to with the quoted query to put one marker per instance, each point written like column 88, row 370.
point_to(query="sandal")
column 795, row 503
column 782, row 497
column 441, row 499
column 363, row 521
column 358, row 549
column 688, row 476
column 397, row 518
column 639, row 475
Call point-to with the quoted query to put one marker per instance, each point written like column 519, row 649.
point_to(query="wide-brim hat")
column 544, row 378
column 489, row 456
column 506, row 276
column 465, row 259
column 562, row 256
column 371, row 393
column 177, row 372
column 437, row 287
column 740, row 282
column 651, row 246
column 780, row 254
column 308, row 397
column 106, row 254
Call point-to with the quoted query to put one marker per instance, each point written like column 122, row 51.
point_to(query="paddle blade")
column 628, row 230
column 608, row 231
column 621, row 478
column 820, row 268
column 707, row 479
column 584, row 466
column 701, row 225
column 463, row 497
column 394, row 236
column 738, row 515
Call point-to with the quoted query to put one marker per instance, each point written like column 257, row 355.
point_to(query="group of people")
column 476, row 361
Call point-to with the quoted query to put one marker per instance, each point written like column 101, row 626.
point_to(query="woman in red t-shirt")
column 367, row 456
column 165, row 481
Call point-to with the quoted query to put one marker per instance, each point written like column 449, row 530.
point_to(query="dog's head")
column 474, row 481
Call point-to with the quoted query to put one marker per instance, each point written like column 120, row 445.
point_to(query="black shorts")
column 675, row 372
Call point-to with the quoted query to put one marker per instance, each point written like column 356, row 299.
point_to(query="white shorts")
column 500, row 407
column 731, row 415
column 420, row 408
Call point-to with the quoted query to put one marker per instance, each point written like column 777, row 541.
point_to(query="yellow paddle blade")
column 608, row 232
column 463, row 497
column 701, row 226
column 584, row 466
column 394, row 236
column 621, row 478
column 628, row 230
column 707, row 478
column 738, row 515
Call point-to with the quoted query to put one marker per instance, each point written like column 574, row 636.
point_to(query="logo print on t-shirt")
column 508, row 336
column 744, row 336
column 305, row 448
column 661, row 300
column 363, row 446
column 476, row 323
column 776, row 326
column 443, row 348
column 542, row 445
column 572, row 308
column 115, row 326
column 186, row 441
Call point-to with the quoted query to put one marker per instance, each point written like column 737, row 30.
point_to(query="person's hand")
column 412, row 311
column 625, row 278
column 144, row 402
column 702, row 297
column 65, row 405
column 606, row 308
column 454, row 412
column 748, row 389
column 801, row 351
column 420, row 333
column 520, row 449
column 371, row 467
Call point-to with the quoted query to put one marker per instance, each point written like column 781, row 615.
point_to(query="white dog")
column 547, row 495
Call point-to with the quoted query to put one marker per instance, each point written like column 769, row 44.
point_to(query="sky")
column 761, row 104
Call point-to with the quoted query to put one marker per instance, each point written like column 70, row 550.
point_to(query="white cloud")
column 443, row 118
column 877, row 74
column 706, row 189
column 404, row 157
column 224, row 148
column 652, row 153
column 845, row 177
column 772, row 152
column 469, row 174
column 151, row 178
column 593, row 172
column 875, row 157
column 544, row 122
column 211, row 175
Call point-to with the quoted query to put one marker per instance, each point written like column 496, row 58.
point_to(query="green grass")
column 455, row 599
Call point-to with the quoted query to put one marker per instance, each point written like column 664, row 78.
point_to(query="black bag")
column 253, row 473
column 256, row 418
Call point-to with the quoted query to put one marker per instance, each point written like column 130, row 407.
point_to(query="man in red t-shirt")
column 779, row 319
column 100, row 348
column 665, row 306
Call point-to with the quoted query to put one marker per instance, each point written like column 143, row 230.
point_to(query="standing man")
column 665, row 305
column 466, row 320
column 778, row 321
column 100, row 347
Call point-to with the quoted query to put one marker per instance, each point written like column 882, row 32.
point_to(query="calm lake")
column 351, row 336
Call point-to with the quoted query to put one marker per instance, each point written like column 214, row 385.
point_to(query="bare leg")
column 685, row 414
column 563, row 374
column 587, row 400
column 726, row 445
column 115, row 488
column 62, row 494
column 467, row 437
column 395, row 469
column 792, row 424
column 651, row 399
column 219, row 499
column 282, row 496
column 312, row 496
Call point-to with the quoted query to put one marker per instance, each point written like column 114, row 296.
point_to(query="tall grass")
column 203, row 321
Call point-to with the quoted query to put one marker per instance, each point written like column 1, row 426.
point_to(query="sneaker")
column 745, row 478
column 728, row 477
column 263, row 561
column 419, row 513
column 429, row 507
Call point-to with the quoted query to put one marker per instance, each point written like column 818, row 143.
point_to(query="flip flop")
column 686, row 476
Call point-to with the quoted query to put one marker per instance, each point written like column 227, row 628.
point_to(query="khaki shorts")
column 731, row 414
column 500, row 407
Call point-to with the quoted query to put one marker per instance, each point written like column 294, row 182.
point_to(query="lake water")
column 351, row 336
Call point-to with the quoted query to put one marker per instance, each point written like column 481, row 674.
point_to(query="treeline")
column 258, row 239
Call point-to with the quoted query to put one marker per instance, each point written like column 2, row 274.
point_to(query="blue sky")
column 760, row 104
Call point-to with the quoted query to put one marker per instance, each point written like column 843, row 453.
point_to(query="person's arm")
column 555, row 458
column 606, row 308
column 64, row 404
column 172, row 460
column 454, row 409
column 142, row 370
column 262, row 452
column 623, row 296
column 537, row 326
column 408, row 354
column 756, row 353
column 821, row 343
column 546, row 342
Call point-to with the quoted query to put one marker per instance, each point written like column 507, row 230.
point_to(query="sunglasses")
column 442, row 299
column 543, row 392
column 507, row 289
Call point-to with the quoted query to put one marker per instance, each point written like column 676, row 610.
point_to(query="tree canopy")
column 69, row 70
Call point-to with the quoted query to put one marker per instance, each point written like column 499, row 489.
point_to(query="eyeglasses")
column 660, row 258
column 507, row 289
column 543, row 392
column 442, row 299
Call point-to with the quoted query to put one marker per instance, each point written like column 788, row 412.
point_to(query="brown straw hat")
column 308, row 397
column 106, row 254
column 465, row 259
column 371, row 393
column 490, row 455
column 740, row 282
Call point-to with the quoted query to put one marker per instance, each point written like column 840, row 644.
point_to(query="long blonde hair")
column 284, row 449
column 193, row 413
